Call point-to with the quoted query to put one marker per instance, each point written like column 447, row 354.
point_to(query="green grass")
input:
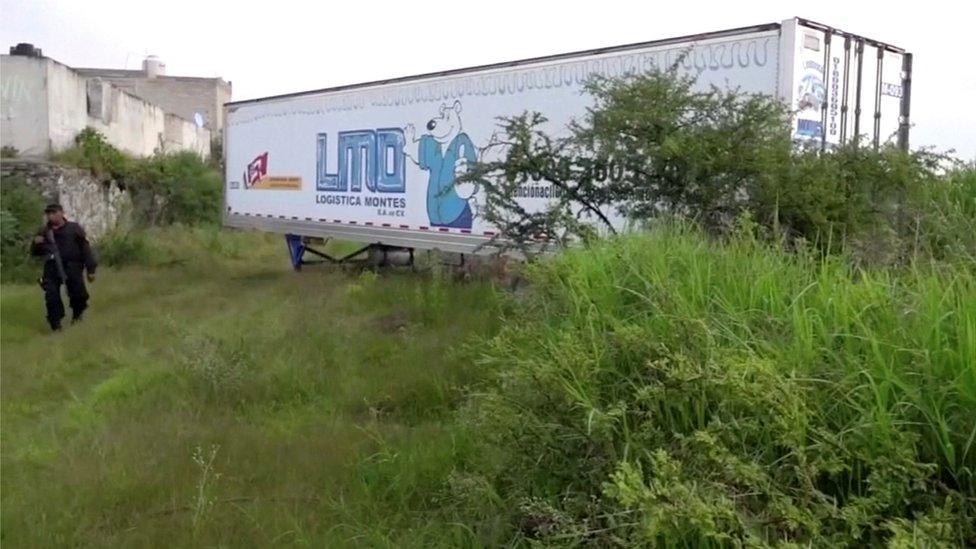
column 325, row 396
column 657, row 389
column 666, row 390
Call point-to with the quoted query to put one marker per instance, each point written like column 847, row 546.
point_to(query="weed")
column 203, row 501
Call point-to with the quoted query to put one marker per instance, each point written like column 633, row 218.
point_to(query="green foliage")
column 165, row 188
column 176, row 188
column 329, row 393
column 650, row 142
column 94, row 153
column 172, row 245
column 217, row 154
column 21, row 214
column 663, row 390
column 860, row 199
column 124, row 247
column 653, row 143
column 8, row 151
column 939, row 219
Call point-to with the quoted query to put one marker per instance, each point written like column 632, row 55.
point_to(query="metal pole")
column 826, row 97
column 904, row 119
column 859, row 52
column 845, row 90
column 877, row 98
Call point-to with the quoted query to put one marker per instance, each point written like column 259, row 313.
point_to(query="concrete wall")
column 50, row 103
column 183, row 96
column 180, row 136
column 23, row 105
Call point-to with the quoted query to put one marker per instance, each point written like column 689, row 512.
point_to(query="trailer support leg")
column 298, row 247
column 296, row 250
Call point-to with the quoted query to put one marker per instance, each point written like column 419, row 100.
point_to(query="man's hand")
column 91, row 277
column 38, row 239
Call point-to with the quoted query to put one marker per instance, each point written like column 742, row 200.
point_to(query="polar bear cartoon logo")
column 446, row 152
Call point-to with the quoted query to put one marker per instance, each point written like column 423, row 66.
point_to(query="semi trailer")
column 376, row 163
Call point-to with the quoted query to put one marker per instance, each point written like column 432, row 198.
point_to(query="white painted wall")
column 181, row 136
column 23, row 105
column 67, row 104
column 196, row 139
column 49, row 105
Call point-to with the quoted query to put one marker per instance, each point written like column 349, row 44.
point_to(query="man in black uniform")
column 67, row 254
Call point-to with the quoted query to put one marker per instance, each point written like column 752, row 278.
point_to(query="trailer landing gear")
column 380, row 255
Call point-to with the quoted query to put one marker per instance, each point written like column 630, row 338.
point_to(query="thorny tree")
column 649, row 143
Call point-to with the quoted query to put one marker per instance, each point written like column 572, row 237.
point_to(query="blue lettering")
column 373, row 157
column 389, row 147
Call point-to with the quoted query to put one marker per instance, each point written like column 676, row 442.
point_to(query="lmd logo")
column 373, row 158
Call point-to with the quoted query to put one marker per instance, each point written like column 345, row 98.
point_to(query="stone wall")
column 97, row 205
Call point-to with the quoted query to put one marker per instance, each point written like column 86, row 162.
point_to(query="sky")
column 282, row 46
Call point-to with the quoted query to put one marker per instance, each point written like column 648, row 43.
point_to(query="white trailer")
column 376, row 162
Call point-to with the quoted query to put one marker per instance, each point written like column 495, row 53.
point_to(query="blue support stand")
column 296, row 250
column 298, row 247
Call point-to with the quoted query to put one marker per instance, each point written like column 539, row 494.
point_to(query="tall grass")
column 657, row 389
column 666, row 389
column 213, row 397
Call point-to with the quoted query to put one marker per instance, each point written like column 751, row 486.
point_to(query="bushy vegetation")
column 793, row 363
column 655, row 143
column 165, row 188
column 667, row 390
column 176, row 188
column 94, row 153
column 173, row 245
column 787, row 357
column 21, row 211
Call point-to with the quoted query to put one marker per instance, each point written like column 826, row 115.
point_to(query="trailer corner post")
column 904, row 118
column 787, row 55
column 859, row 53
column 878, row 85
column 826, row 80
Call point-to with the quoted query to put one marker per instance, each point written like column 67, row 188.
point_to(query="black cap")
column 51, row 208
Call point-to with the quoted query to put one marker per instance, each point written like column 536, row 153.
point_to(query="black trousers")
column 77, row 293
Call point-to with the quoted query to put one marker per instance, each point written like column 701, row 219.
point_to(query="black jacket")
column 72, row 244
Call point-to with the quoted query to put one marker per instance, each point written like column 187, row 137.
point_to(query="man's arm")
column 39, row 244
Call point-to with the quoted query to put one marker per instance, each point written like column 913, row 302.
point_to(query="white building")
column 44, row 104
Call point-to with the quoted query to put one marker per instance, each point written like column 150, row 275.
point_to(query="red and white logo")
column 256, row 170
column 256, row 177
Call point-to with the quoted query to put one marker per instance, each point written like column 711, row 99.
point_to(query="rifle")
column 56, row 255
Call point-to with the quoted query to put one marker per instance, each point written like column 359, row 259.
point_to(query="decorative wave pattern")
column 698, row 59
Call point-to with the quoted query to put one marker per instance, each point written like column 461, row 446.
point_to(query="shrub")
column 665, row 389
column 176, row 188
column 124, row 247
column 218, row 370
column 92, row 152
column 165, row 188
column 21, row 214
column 654, row 144
column 939, row 218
